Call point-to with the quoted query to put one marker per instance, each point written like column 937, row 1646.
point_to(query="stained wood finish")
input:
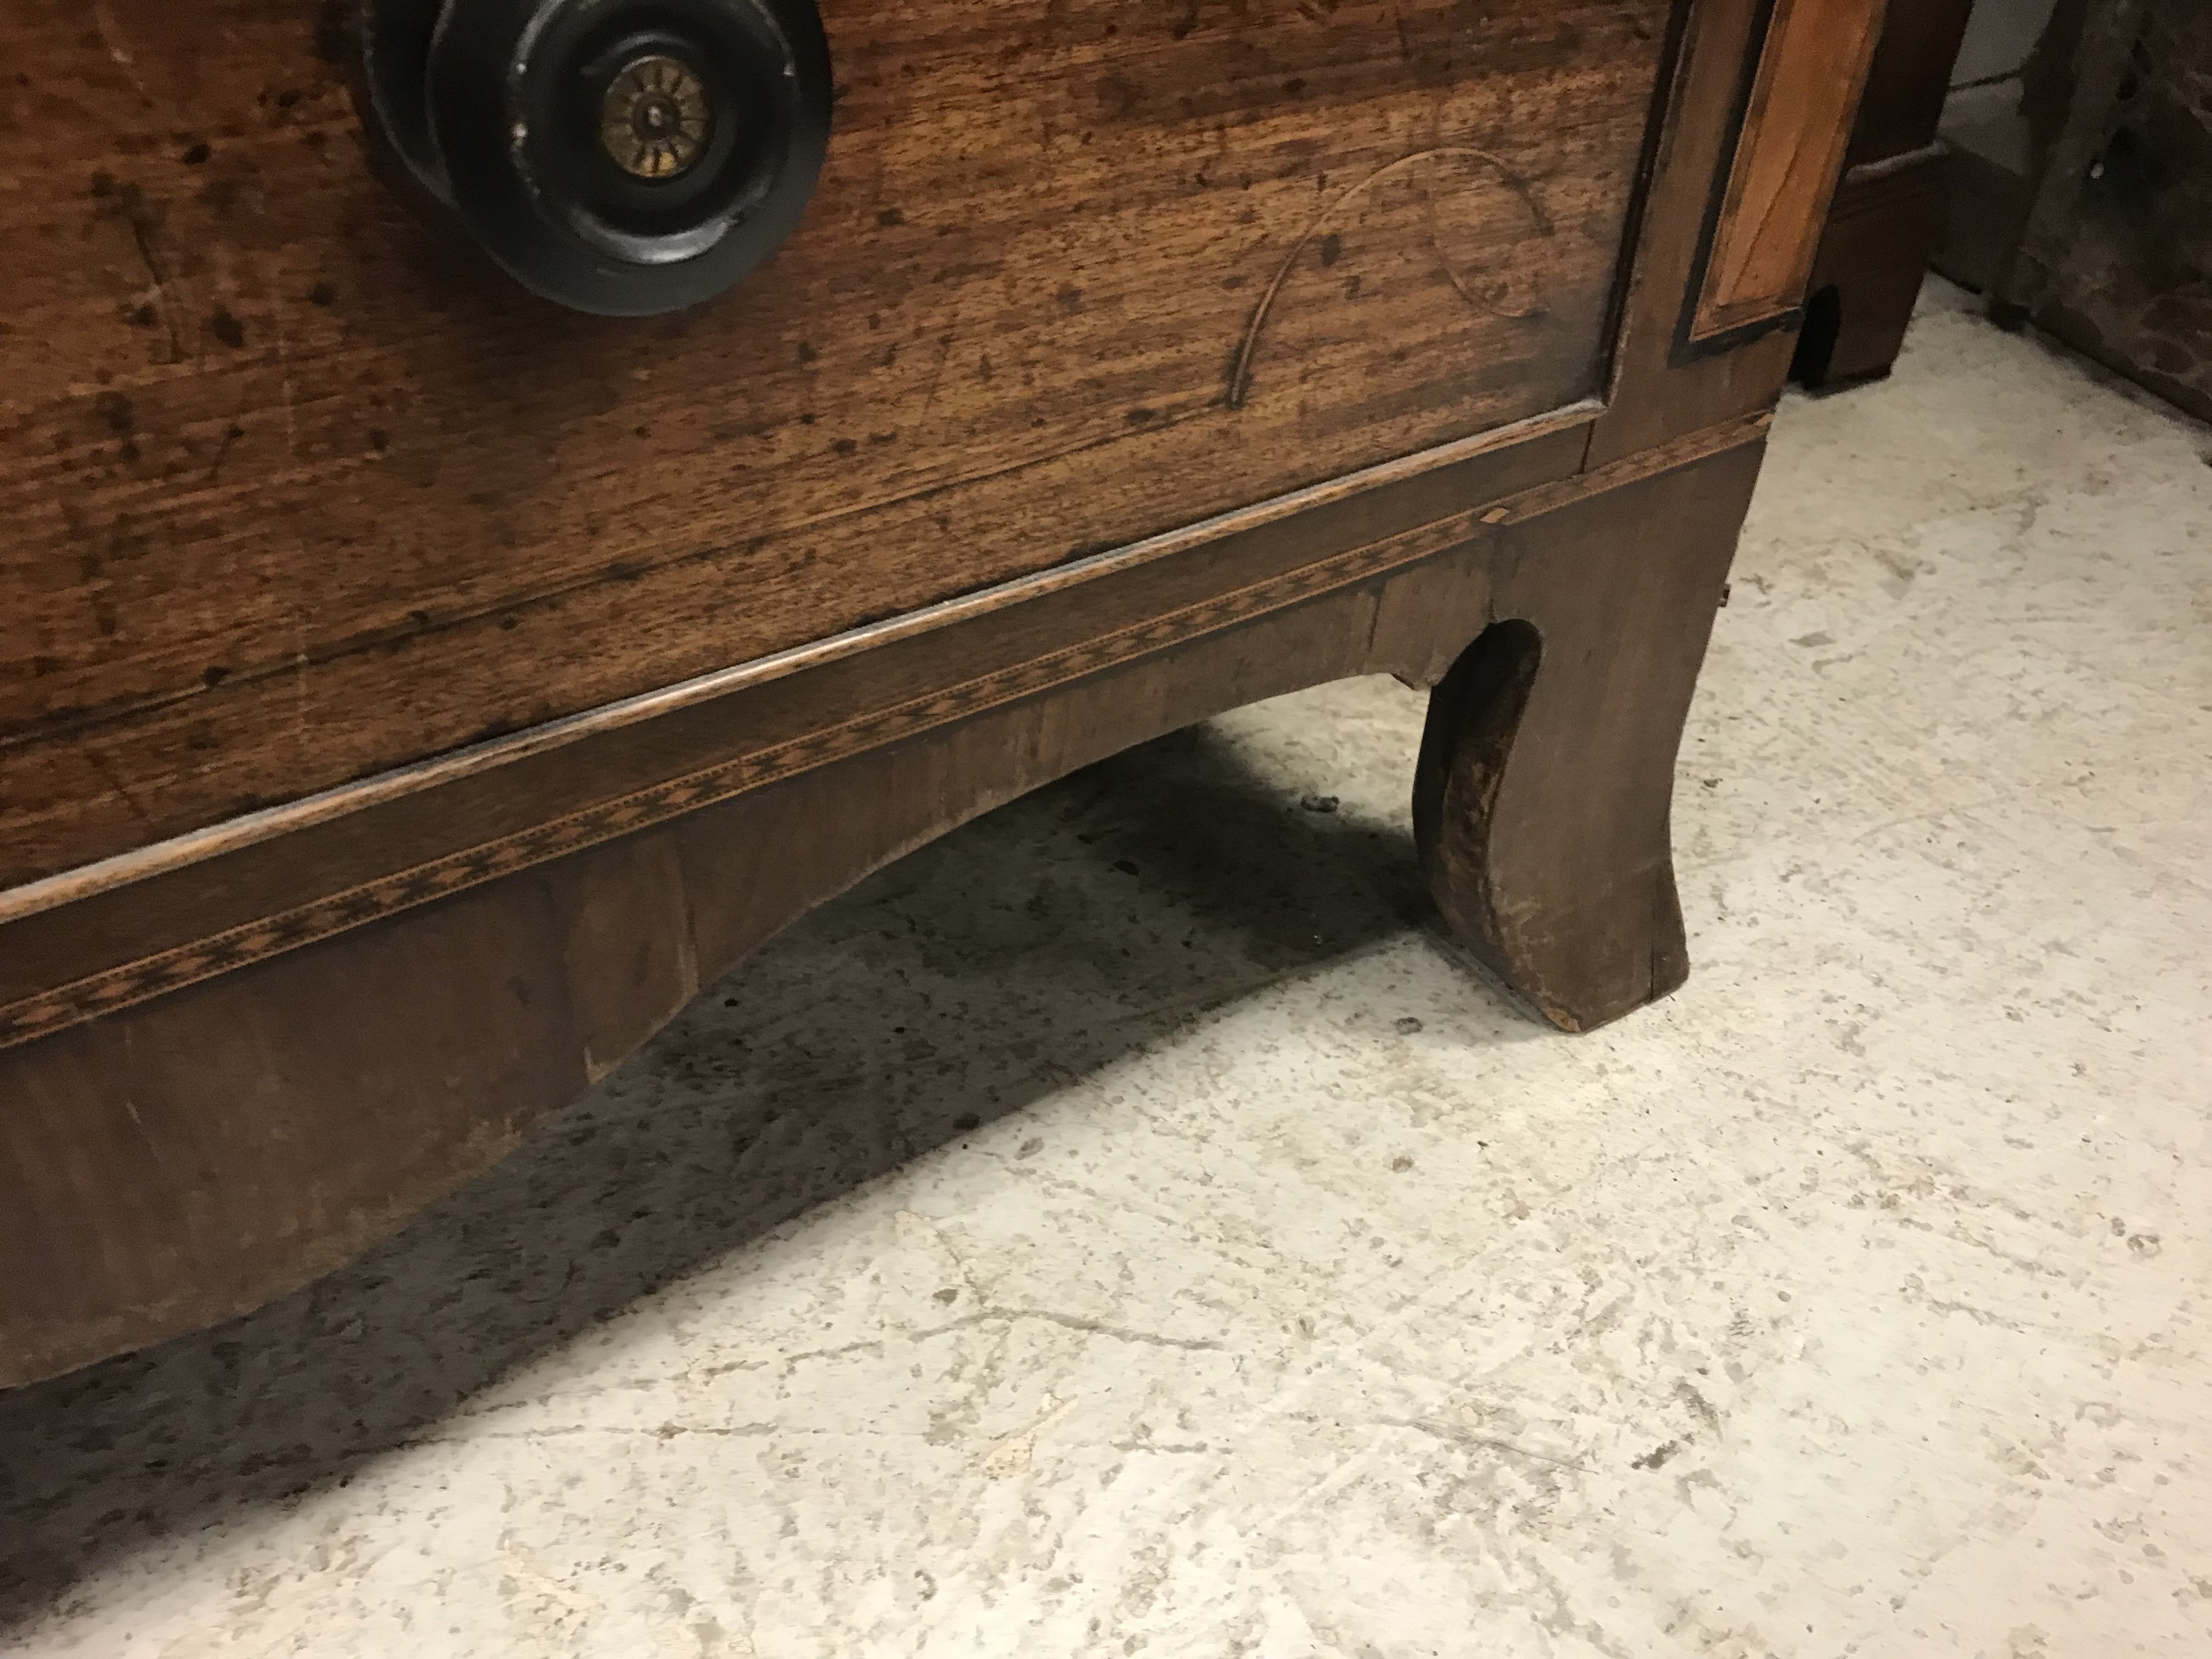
column 127, row 943
column 120, row 944
column 1547, row 770
column 318, row 1097
column 2110, row 251
column 1888, row 220
column 299, row 497
column 1795, row 133
column 1664, row 383
column 1135, row 363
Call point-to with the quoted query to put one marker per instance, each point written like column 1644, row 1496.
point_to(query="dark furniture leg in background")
column 1888, row 216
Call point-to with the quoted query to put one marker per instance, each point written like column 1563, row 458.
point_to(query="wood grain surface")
column 298, row 493
column 1543, row 796
column 1658, row 392
column 1795, row 133
column 1136, row 361
column 1373, row 501
column 78, row 961
column 175, row 1163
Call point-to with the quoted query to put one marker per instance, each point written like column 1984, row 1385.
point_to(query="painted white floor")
column 1129, row 1228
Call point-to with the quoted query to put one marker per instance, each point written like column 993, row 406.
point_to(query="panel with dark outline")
column 1802, row 140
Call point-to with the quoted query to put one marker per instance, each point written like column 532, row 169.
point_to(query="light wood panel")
column 1787, row 161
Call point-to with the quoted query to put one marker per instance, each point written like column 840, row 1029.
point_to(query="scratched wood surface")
column 177, row 1163
column 296, row 493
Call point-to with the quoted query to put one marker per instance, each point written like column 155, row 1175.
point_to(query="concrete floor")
column 1127, row 1227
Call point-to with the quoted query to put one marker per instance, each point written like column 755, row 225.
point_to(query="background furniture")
column 1890, row 212
column 2115, row 253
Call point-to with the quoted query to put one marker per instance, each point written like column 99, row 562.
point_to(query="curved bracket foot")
column 1546, row 771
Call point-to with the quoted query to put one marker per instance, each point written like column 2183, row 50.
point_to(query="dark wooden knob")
column 624, row 157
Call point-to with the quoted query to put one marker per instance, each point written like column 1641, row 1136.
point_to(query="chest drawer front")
column 300, row 493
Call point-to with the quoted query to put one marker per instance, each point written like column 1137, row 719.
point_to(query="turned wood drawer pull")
column 625, row 157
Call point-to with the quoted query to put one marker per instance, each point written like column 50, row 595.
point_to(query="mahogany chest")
column 511, row 501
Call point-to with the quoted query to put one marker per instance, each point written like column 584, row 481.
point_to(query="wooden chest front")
column 299, row 493
column 413, row 692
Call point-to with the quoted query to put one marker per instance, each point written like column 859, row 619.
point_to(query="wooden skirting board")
column 351, row 904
